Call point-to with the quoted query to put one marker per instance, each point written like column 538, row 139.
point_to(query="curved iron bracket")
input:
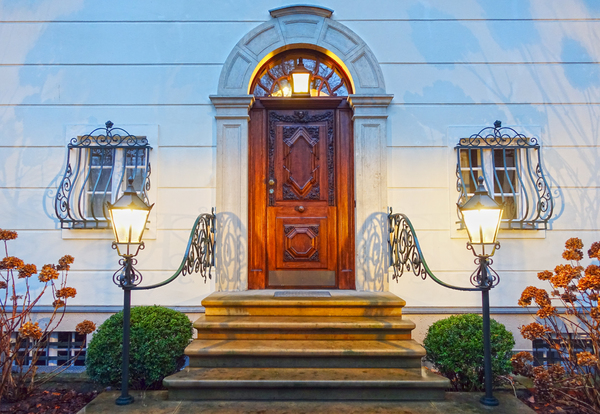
column 406, row 255
column 199, row 257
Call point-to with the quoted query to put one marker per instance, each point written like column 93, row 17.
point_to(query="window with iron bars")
column 510, row 164
column 58, row 349
column 99, row 166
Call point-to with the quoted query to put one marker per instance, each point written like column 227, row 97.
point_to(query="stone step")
column 305, row 353
column 304, row 327
column 279, row 384
column 321, row 303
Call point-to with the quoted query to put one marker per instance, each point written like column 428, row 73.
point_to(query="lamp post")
column 482, row 217
column 129, row 215
column 300, row 80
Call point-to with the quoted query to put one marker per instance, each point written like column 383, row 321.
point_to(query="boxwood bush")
column 158, row 339
column 455, row 347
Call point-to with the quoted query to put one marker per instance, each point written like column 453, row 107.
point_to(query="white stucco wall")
column 530, row 64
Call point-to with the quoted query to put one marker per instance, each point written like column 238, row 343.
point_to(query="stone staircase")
column 304, row 345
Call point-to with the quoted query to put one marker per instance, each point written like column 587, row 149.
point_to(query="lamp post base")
column 490, row 401
column 124, row 400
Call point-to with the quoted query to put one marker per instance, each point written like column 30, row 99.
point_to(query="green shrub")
column 455, row 347
column 158, row 339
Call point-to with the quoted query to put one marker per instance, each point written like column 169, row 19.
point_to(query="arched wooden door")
column 301, row 194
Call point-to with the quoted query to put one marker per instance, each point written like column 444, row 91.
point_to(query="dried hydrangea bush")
column 22, row 341
column 568, row 321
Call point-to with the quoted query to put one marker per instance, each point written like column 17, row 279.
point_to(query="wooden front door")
column 301, row 204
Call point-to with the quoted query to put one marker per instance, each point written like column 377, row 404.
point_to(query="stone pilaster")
column 370, row 163
column 232, row 191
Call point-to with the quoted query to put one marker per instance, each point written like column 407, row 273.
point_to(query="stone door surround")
column 301, row 27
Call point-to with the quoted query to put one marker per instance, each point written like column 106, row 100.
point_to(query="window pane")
column 97, row 202
column 135, row 157
column 510, row 156
column 475, row 158
column 100, row 179
column 506, row 178
column 470, row 185
column 510, row 208
column 137, row 174
column 101, row 156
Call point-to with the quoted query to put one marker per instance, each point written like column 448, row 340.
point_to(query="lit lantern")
column 300, row 80
column 129, row 215
column 482, row 217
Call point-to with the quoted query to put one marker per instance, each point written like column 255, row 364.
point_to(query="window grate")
column 510, row 164
column 98, row 167
column 57, row 349
column 546, row 353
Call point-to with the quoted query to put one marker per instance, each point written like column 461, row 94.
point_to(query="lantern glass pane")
column 129, row 224
column 482, row 225
column 301, row 82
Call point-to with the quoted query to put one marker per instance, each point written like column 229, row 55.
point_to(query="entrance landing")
column 297, row 303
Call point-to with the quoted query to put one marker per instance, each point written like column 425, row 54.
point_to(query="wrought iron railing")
column 510, row 164
column 199, row 256
column 98, row 167
column 406, row 256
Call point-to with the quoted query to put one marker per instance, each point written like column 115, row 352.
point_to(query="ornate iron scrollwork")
column 88, row 179
column 406, row 256
column 515, row 175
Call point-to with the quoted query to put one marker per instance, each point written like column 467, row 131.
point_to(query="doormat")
column 301, row 294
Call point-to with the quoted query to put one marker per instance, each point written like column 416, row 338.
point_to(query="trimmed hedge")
column 455, row 347
column 158, row 339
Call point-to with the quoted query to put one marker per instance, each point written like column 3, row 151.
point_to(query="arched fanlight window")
column 274, row 79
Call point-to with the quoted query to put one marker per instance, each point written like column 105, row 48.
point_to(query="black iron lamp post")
column 129, row 215
column 482, row 217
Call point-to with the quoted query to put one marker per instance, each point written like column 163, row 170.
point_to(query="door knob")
column 300, row 209
column 271, row 182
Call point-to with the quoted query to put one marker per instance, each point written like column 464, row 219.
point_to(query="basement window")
column 510, row 164
column 58, row 349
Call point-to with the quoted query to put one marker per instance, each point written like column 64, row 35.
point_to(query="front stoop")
column 350, row 346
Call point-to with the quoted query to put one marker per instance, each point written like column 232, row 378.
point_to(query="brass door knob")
column 300, row 209
column 271, row 182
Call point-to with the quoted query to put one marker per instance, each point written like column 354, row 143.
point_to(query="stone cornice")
column 301, row 9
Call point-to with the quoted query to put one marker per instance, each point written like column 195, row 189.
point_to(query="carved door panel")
column 301, row 194
column 301, row 199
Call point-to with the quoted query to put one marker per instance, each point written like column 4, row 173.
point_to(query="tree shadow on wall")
column 231, row 253
column 372, row 253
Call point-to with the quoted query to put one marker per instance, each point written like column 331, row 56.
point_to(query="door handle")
column 300, row 209
column 271, row 182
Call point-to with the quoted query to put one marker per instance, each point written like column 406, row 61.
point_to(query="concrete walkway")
column 155, row 402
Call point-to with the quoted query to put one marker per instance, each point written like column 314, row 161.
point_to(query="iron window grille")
column 58, row 349
column 99, row 165
column 511, row 167
column 546, row 352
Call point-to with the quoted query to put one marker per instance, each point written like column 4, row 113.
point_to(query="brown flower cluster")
column 532, row 293
column 31, row 330
column 65, row 262
column 48, row 273
column 546, row 312
column 3, row 284
column 564, row 274
column 542, row 383
column 545, row 275
column 85, row 327
column 586, row 359
column 521, row 363
column 591, row 280
column 58, row 303
column 7, row 235
column 533, row 331
column 66, row 292
column 27, row 270
column 11, row 262
column 594, row 251
column 595, row 313
column 573, row 248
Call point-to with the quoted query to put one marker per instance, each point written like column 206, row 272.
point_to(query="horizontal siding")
column 527, row 63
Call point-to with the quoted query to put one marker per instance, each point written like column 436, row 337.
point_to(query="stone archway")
column 301, row 27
